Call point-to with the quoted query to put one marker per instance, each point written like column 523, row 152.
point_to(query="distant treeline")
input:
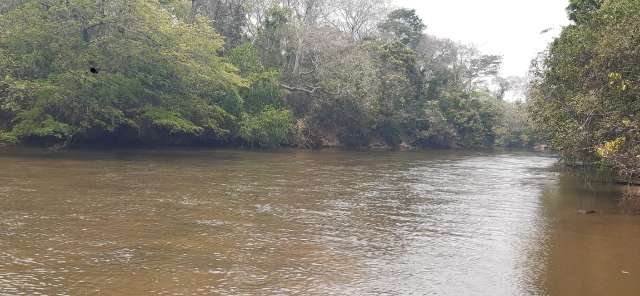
column 259, row 73
column 585, row 97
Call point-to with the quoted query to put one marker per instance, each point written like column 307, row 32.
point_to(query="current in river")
column 222, row 222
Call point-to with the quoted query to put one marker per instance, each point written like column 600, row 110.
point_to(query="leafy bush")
column 7, row 138
column 270, row 128
column 38, row 128
column 263, row 87
column 170, row 121
column 69, row 74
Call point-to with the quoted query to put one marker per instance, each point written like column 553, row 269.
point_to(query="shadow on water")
column 593, row 254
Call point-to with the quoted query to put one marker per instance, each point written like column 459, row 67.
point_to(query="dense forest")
column 253, row 73
column 585, row 95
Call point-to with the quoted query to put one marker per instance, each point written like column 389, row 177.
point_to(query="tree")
column 238, row 72
column 513, row 86
column 473, row 67
column 358, row 18
column 584, row 98
column 151, row 77
column 515, row 129
column 228, row 17
column 305, row 14
column 273, row 38
column 579, row 10
column 403, row 25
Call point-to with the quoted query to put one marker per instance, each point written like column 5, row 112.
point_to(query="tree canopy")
column 585, row 95
column 259, row 73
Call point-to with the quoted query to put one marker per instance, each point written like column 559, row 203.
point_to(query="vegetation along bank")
column 308, row 73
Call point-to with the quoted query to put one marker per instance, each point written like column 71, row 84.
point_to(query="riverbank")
column 611, row 175
column 629, row 202
column 5, row 144
column 374, row 147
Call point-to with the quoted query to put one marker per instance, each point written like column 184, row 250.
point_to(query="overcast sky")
column 511, row 28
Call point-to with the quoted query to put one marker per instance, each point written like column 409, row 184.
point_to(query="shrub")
column 270, row 128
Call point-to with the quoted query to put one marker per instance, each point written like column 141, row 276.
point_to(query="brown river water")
column 309, row 223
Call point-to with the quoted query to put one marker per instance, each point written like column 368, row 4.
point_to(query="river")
column 309, row 223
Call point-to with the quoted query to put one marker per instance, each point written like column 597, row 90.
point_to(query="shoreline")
column 7, row 146
column 615, row 179
column 13, row 146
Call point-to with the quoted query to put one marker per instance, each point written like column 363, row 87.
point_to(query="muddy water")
column 308, row 223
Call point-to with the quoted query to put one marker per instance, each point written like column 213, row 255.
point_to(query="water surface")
column 308, row 223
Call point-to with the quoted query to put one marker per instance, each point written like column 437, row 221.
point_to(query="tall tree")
column 403, row 25
column 585, row 95
column 358, row 18
column 228, row 17
column 579, row 10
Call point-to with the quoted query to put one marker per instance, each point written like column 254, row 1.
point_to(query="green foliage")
column 7, row 138
column 272, row 35
column 579, row 10
column 15, row 97
column 515, row 129
column 586, row 92
column 35, row 127
column 404, row 25
column 247, row 58
column 147, row 63
column 473, row 117
column 264, row 84
column 226, row 17
column 264, row 90
column 170, row 121
column 158, row 72
column 271, row 128
column 346, row 120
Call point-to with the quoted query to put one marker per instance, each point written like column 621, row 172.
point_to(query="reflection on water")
column 590, row 254
column 310, row 223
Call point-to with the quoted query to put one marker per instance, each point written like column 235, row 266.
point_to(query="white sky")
column 511, row 28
